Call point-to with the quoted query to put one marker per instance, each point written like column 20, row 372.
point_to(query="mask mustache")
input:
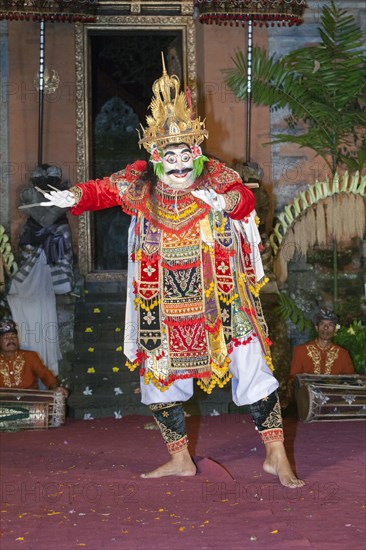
column 180, row 172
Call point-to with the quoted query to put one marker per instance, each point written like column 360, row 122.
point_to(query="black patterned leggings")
column 266, row 414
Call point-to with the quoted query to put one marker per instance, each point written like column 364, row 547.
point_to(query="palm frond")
column 289, row 311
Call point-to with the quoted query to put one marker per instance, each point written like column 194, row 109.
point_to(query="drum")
column 30, row 409
column 330, row 397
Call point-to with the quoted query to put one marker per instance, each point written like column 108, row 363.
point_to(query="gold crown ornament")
column 170, row 120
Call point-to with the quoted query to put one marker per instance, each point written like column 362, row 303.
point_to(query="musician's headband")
column 8, row 326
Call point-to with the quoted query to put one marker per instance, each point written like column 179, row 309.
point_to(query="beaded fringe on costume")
column 195, row 302
column 195, row 284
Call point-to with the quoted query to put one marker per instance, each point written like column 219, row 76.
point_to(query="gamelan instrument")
column 330, row 397
column 31, row 409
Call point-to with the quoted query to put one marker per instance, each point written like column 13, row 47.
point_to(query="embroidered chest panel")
column 322, row 361
column 172, row 211
column 12, row 369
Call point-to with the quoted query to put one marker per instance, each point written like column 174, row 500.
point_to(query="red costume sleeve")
column 296, row 363
column 105, row 193
column 246, row 202
column 96, row 195
column 223, row 179
column 346, row 362
column 39, row 370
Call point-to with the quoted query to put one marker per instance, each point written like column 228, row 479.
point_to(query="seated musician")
column 21, row 369
column 321, row 356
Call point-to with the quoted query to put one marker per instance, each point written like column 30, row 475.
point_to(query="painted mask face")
column 178, row 166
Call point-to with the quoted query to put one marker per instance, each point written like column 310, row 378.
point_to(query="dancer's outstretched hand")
column 62, row 199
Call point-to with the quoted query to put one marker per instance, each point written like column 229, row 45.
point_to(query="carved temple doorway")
column 118, row 59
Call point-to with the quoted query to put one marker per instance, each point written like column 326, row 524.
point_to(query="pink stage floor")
column 78, row 486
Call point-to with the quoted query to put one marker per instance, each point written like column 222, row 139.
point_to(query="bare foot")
column 277, row 463
column 180, row 464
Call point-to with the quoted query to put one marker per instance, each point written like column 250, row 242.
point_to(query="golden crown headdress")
column 170, row 120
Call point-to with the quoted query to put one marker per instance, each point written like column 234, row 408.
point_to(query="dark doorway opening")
column 124, row 66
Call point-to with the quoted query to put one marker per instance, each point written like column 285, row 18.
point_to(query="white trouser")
column 252, row 379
